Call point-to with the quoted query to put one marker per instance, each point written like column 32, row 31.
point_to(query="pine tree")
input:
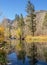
column 29, row 7
column 17, row 17
column 21, row 22
column 31, row 13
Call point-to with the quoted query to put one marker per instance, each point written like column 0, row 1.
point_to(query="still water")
column 13, row 59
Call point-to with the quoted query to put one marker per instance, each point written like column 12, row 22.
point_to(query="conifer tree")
column 31, row 13
column 17, row 17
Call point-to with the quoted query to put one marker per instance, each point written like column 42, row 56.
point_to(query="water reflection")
column 14, row 60
column 21, row 55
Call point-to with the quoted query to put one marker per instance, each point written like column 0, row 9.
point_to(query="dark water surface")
column 14, row 60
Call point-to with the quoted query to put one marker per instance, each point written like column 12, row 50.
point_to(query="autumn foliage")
column 1, row 34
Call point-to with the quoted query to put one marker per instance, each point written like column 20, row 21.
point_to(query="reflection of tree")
column 21, row 55
column 32, row 55
column 45, row 53
column 3, row 54
column 34, row 61
column 3, row 60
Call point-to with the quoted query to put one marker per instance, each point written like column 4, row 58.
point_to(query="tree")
column 17, row 17
column 19, row 31
column 45, row 22
column 21, row 22
column 20, row 28
column 29, row 7
column 1, row 34
column 21, row 25
column 31, row 13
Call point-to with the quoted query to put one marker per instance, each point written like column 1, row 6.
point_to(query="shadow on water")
column 21, row 59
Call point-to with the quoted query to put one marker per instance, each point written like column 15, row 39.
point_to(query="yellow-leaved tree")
column 18, row 32
column 1, row 34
